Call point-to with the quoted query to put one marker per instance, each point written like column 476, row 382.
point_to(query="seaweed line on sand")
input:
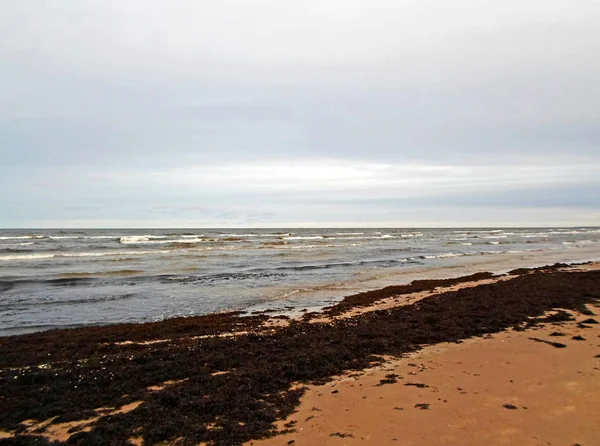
column 68, row 375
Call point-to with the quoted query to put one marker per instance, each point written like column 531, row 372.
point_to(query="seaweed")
column 69, row 374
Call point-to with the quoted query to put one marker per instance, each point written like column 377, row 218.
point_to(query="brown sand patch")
column 494, row 391
column 164, row 385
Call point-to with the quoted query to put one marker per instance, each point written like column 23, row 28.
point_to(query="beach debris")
column 398, row 408
column 390, row 378
column 559, row 316
column 419, row 385
column 578, row 338
column 553, row 344
column 310, row 417
column 342, row 435
column 557, row 333
column 291, row 442
column 583, row 309
column 370, row 297
column 422, row 406
column 510, row 406
column 335, row 391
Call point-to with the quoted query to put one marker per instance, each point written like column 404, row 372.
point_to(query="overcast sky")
column 274, row 113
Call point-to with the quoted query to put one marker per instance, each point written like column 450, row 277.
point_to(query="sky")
column 271, row 113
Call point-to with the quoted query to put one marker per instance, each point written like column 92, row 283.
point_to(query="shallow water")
column 68, row 278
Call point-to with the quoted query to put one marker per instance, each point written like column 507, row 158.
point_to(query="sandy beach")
column 480, row 359
column 505, row 389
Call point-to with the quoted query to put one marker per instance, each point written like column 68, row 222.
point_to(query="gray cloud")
column 107, row 107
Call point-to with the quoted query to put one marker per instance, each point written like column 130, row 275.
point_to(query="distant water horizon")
column 53, row 278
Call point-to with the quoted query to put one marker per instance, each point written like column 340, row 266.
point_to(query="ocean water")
column 69, row 278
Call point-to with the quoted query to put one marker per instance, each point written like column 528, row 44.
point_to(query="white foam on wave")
column 140, row 239
column 78, row 254
column 21, row 237
column 58, row 237
column 310, row 246
column 445, row 255
column 182, row 240
column 239, row 235
column 84, row 237
column 307, row 237
column 101, row 236
column 349, row 233
column 14, row 245
column 27, row 256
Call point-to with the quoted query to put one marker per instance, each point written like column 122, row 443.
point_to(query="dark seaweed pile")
column 87, row 370
column 370, row 297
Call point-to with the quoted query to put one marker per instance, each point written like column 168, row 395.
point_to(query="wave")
column 373, row 263
column 78, row 254
column 300, row 247
column 220, row 277
column 157, row 240
column 132, row 239
column 84, row 237
column 27, row 256
column 239, row 235
column 305, row 237
column 89, row 300
column 408, row 234
column 122, row 272
column 22, row 237
column 443, row 256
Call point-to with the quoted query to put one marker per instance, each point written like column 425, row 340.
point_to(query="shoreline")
column 451, row 267
column 86, row 283
column 226, row 379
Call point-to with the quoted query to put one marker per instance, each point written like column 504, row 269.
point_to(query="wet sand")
column 476, row 353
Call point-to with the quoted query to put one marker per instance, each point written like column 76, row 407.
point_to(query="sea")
column 64, row 278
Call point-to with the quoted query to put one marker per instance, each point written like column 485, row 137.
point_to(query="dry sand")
column 556, row 392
